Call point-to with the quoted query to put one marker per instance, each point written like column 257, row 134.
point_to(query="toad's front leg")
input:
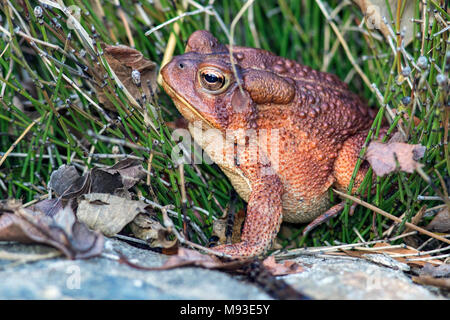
column 263, row 219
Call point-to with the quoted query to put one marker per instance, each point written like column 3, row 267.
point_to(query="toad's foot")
column 263, row 220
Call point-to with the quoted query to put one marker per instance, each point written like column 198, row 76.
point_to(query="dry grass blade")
column 390, row 216
column 31, row 125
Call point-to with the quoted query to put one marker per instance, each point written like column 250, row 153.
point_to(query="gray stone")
column 354, row 278
column 104, row 278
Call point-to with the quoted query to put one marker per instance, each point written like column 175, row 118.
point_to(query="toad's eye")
column 213, row 80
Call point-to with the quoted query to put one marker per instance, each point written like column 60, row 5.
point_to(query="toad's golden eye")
column 213, row 80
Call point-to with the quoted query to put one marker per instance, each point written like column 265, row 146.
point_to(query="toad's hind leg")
column 263, row 219
column 343, row 171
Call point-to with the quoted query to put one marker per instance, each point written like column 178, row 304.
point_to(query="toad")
column 290, row 132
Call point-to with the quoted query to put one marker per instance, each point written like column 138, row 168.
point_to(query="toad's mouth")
column 177, row 98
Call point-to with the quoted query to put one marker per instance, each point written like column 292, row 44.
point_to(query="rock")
column 354, row 279
column 105, row 278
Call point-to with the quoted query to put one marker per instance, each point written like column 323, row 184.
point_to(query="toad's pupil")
column 212, row 78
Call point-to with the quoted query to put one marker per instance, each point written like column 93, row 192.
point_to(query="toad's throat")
column 179, row 98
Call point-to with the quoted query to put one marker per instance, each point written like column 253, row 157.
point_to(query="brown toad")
column 295, row 132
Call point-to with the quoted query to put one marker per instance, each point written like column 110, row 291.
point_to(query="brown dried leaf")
column 441, row 222
column 107, row 213
column 278, row 269
column 60, row 230
column 383, row 157
column 186, row 257
column 375, row 10
column 149, row 229
column 123, row 60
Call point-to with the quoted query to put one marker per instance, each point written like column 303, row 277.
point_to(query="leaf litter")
column 60, row 230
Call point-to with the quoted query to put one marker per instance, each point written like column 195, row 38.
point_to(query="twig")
column 390, row 216
column 442, row 256
column 431, row 198
column 117, row 141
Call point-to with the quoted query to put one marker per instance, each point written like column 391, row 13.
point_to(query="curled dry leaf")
column 107, row 213
column 123, row 60
column 60, row 229
column 148, row 228
column 375, row 10
column 441, row 222
column 384, row 157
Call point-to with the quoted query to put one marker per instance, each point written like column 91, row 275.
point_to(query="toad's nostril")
column 181, row 66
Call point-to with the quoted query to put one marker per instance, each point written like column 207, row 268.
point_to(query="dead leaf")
column 123, row 60
column 130, row 171
column 188, row 257
column 191, row 258
column 63, row 178
column 107, row 213
column 148, row 228
column 441, row 222
column 383, row 157
column 68, row 184
column 60, row 230
column 278, row 269
column 48, row 206
column 375, row 10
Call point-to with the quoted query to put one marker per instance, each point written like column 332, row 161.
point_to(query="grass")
column 50, row 114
